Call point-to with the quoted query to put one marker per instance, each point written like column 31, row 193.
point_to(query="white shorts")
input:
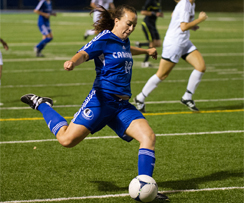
column 173, row 52
column 1, row 59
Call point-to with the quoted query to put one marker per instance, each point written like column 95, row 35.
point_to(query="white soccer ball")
column 143, row 188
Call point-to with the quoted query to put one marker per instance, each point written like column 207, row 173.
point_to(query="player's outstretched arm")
column 76, row 60
column 137, row 51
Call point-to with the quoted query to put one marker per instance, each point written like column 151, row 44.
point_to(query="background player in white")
column 107, row 4
column 177, row 44
column 5, row 46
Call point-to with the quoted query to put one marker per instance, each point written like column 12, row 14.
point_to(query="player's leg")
column 92, row 32
column 164, row 69
column 67, row 135
column 1, row 66
column 46, row 38
column 196, row 60
column 141, row 131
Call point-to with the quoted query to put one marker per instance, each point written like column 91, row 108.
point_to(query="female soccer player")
column 108, row 101
column 44, row 10
column 177, row 44
column 151, row 10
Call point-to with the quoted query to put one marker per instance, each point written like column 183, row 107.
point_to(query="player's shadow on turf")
column 194, row 182
column 230, row 107
column 108, row 186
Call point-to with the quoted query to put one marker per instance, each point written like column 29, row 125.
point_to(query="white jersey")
column 104, row 3
column 184, row 12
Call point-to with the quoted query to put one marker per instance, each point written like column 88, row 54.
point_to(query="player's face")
column 192, row 1
column 126, row 25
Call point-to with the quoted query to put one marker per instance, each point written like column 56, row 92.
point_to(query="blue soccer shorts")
column 100, row 109
column 44, row 28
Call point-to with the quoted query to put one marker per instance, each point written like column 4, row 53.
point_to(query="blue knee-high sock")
column 146, row 161
column 52, row 118
column 43, row 43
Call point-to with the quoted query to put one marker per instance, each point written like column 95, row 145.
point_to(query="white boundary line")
column 119, row 195
column 133, row 82
column 149, row 102
column 114, row 137
column 67, row 58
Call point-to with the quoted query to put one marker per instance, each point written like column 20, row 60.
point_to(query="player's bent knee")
column 148, row 141
column 68, row 143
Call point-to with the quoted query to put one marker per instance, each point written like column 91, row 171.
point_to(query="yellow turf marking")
column 145, row 114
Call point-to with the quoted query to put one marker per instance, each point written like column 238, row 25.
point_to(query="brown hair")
column 177, row 1
column 106, row 18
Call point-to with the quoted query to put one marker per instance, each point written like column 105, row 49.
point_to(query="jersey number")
column 128, row 66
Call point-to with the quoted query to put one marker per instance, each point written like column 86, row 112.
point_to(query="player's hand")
column 203, row 16
column 69, row 65
column 153, row 52
column 47, row 15
column 54, row 14
column 195, row 28
column 160, row 14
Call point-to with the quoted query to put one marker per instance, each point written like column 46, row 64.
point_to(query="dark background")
column 167, row 5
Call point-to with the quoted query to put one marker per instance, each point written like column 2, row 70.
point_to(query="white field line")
column 82, row 43
column 133, row 82
column 148, row 102
column 138, row 56
column 115, row 137
column 210, row 68
column 120, row 195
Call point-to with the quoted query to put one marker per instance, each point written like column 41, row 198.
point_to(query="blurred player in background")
column 151, row 10
column 44, row 10
column 107, row 4
column 5, row 46
column 177, row 44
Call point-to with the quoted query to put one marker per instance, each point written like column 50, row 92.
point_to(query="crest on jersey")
column 88, row 114
column 123, row 47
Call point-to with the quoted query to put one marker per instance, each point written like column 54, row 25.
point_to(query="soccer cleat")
column 38, row 52
column 137, row 44
column 140, row 105
column 162, row 197
column 146, row 65
column 34, row 101
column 190, row 104
column 86, row 35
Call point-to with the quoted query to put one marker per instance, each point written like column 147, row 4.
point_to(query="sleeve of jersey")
column 39, row 5
column 94, row 48
column 185, row 13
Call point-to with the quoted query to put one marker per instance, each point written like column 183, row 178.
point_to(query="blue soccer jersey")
column 45, row 7
column 113, row 61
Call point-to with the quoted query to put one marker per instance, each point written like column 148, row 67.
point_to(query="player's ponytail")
column 106, row 17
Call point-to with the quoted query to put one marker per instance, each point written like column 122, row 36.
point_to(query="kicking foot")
column 190, row 104
column 140, row 105
column 34, row 101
